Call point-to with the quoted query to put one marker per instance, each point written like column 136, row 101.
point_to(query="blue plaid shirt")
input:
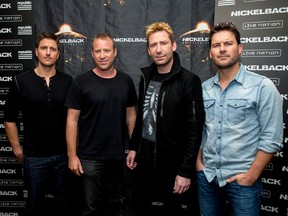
column 240, row 120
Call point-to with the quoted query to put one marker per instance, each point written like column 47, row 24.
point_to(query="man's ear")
column 36, row 52
column 148, row 50
column 115, row 52
column 174, row 44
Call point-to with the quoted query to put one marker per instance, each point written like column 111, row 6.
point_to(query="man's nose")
column 48, row 51
column 158, row 48
column 102, row 54
column 222, row 47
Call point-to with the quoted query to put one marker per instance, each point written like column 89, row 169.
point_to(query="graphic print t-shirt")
column 150, row 106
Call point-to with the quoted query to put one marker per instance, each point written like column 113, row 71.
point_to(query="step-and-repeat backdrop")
column 76, row 22
column 16, row 55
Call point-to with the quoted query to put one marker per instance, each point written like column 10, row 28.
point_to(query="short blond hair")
column 159, row 26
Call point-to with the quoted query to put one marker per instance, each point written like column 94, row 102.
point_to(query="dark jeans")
column 243, row 200
column 39, row 171
column 102, row 187
column 153, row 192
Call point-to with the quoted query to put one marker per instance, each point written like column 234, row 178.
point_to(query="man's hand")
column 242, row 179
column 130, row 160
column 19, row 156
column 181, row 184
column 75, row 165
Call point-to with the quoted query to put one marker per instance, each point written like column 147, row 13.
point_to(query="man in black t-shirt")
column 101, row 113
column 40, row 95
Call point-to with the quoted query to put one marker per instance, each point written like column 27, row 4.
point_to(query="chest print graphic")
column 150, row 108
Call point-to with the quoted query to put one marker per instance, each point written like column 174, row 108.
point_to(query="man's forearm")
column 13, row 137
column 259, row 164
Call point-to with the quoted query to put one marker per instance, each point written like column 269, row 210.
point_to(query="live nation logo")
column 269, row 167
column 276, row 81
column 3, row 137
column 11, row 42
column 266, row 194
column 8, row 160
column 12, row 182
column 12, row 203
column 11, row 67
column 4, row 91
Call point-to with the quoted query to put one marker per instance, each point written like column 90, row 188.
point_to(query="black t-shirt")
column 44, row 113
column 102, row 121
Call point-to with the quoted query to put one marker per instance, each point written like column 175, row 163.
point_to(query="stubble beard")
column 227, row 65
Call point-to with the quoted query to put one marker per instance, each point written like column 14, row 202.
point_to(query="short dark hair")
column 225, row 26
column 47, row 35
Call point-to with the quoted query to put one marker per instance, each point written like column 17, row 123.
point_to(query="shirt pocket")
column 236, row 110
column 209, row 106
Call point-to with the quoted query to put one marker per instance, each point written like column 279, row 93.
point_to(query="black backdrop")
column 78, row 21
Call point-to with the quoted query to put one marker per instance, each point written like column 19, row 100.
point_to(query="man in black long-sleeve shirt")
column 40, row 94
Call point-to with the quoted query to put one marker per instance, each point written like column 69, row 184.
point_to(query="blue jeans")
column 102, row 187
column 39, row 171
column 243, row 200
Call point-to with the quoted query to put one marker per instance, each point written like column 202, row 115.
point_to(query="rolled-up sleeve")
column 271, row 118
